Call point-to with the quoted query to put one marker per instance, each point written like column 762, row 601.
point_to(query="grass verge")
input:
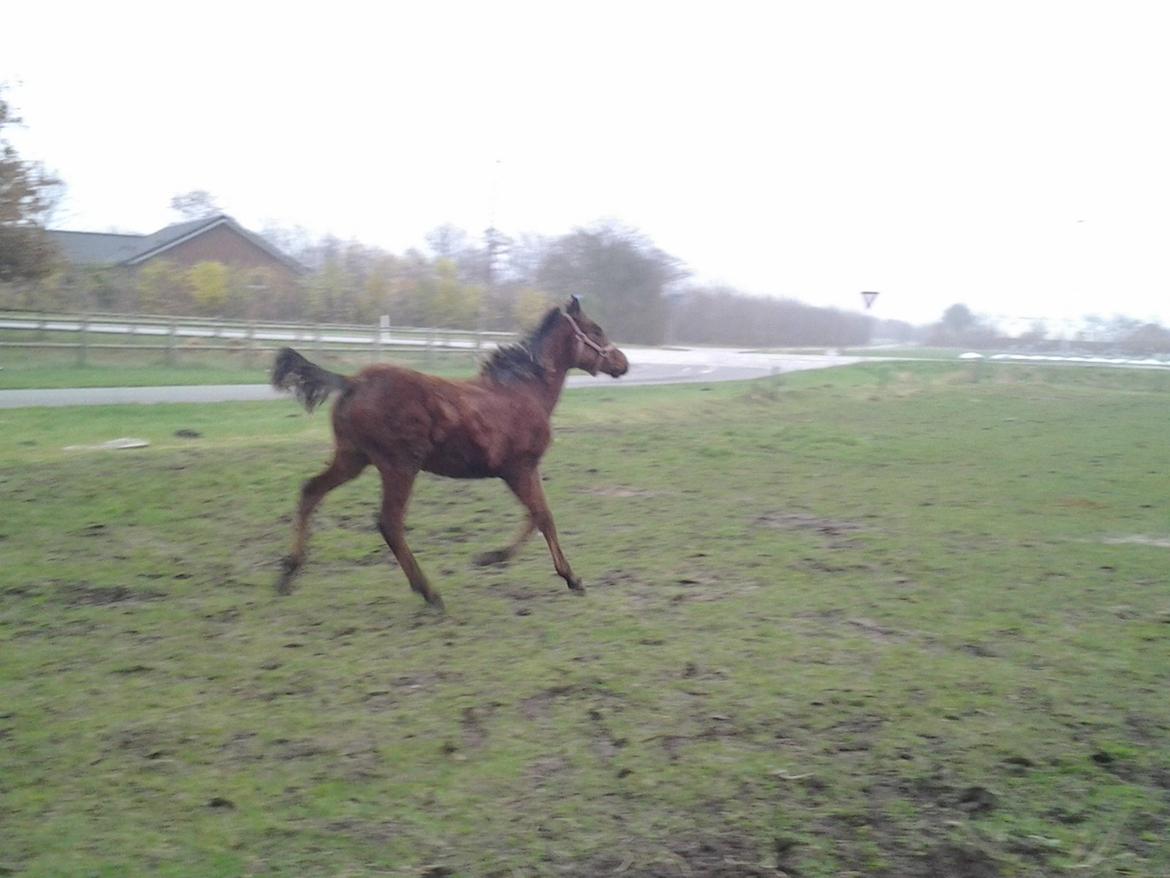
column 32, row 368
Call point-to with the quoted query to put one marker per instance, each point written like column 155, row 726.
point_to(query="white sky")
column 1014, row 156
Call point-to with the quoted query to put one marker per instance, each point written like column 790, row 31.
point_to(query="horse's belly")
column 463, row 460
column 455, row 470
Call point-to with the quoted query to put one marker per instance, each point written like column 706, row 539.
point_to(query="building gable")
column 214, row 239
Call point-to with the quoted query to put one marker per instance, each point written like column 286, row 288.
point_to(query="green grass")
column 193, row 363
column 900, row 620
column 912, row 352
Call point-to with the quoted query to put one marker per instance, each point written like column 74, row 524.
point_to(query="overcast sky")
column 1014, row 156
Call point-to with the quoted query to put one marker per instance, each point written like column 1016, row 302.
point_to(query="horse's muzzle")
column 615, row 363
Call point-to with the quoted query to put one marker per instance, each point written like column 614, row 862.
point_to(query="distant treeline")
column 721, row 315
column 640, row 293
column 960, row 327
column 492, row 282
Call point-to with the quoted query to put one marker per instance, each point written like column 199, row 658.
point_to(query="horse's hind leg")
column 396, row 487
column 347, row 464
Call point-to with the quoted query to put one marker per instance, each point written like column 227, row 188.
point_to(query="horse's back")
column 463, row 429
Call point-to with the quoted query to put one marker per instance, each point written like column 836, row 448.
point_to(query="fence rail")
column 147, row 332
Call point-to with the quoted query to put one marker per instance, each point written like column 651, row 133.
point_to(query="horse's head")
column 593, row 352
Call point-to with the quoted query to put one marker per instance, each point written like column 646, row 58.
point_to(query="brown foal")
column 495, row 425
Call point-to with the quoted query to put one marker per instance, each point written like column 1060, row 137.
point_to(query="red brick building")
column 211, row 239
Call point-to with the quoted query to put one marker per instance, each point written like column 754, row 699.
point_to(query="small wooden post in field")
column 83, row 345
column 383, row 329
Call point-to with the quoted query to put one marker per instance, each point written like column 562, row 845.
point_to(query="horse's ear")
column 574, row 306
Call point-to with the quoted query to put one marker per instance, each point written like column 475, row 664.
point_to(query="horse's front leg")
column 529, row 491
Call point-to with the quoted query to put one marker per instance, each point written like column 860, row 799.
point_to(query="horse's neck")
column 545, row 390
column 551, row 387
column 554, row 381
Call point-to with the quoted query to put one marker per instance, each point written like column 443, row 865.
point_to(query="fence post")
column 250, row 344
column 83, row 347
column 171, row 342
column 383, row 335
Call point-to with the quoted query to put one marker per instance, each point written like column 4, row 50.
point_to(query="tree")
column 1035, row 335
column 960, row 326
column 620, row 274
column 528, row 307
column 209, row 286
column 162, row 287
column 958, row 319
column 27, row 195
column 722, row 315
column 1150, row 338
column 450, row 303
column 196, row 204
column 448, row 241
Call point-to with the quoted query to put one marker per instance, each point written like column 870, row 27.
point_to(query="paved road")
column 647, row 366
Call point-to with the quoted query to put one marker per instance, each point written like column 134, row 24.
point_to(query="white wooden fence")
column 145, row 332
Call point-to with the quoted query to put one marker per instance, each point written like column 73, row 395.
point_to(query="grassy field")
column 23, row 368
column 893, row 620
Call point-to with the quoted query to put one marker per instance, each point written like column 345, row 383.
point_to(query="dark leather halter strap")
column 602, row 352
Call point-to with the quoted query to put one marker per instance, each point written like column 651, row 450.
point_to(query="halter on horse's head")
column 595, row 353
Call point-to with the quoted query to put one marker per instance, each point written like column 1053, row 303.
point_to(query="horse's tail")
column 311, row 384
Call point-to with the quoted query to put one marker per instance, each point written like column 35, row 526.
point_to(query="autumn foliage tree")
column 209, row 284
column 27, row 194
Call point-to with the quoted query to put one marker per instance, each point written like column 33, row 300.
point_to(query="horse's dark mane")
column 520, row 362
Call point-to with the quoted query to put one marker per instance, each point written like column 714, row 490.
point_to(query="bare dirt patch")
column 955, row 861
column 619, row 491
column 728, row 856
column 79, row 594
column 390, row 694
column 797, row 521
column 693, row 586
column 875, row 631
column 1138, row 540
column 546, row 770
column 366, row 831
column 472, row 722
column 540, row 705
column 836, row 619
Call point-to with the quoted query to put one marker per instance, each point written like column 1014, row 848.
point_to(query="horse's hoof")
column 576, row 586
column 288, row 569
column 436, row 603
column 488, row 559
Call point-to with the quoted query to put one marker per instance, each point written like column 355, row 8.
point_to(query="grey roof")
column 98, row 248
column 95, row 248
